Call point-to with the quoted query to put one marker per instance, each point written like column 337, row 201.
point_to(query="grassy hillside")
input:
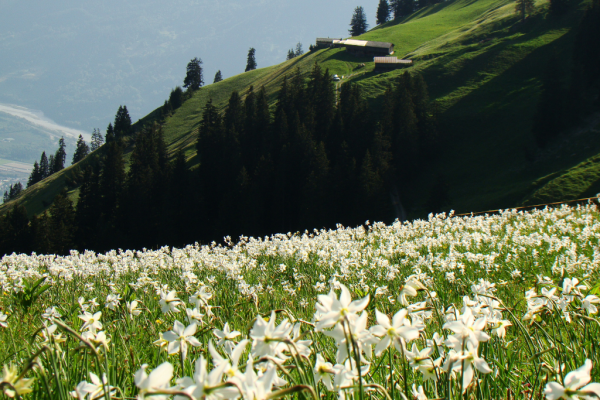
column 483, row 67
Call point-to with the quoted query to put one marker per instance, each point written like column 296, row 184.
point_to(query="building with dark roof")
column 389, row 63
column 323, row 43
column 368, row 48
column 358, row 47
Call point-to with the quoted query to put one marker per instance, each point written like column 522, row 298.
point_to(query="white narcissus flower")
column 203, row 386
column 132, row 309
column 588, row 304
column 573, row 390
column 169, row 302
column 301, row 346
column 359, row 334
column 91, row 322
column 51, row 312
column 267, row 339
column 410, row 289
column 179, row 338
column 499, row 327
column 323, row 371
column 194, row 315
column 393, row 332
column 226, row 337
column 256, row 388
column 231, row 370
column 331, row 310
column 3, row 318
column 466, row 328
column 417, row 358
column 418, row 394
column 22, row 386
column 113, row 301
column 93, row 390
column 158, row 380
column 201, row 297
column 468, row 360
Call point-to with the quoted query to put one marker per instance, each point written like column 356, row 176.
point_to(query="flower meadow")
column 479, row 307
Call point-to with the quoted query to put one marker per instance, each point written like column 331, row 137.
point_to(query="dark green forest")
column 321, row 157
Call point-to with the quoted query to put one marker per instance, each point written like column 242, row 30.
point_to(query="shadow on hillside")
column 416, row 15
column 493, row 116
column 347, row 57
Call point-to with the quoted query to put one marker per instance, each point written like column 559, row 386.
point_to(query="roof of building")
column 366, row 43
column 328, row 40
column 390, row 60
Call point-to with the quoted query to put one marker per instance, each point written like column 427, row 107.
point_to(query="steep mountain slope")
column 483, row 67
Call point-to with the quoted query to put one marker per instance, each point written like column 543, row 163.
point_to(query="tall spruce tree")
column 81, row 150
column 97, row 140
column 110, row 133
column 60, row 156
column 51, row 165
column 112, row 179
column 176, row 98
column 44, row 167
column 87, row 213
column 383, row 12
column 193, row 78
column 299, row 51
column 358, row 23
column 251, row 61
column 524, row 8
column 34, row 177
column 62, row 224
column 559, row 7
column 122, row 126
column 218, row 77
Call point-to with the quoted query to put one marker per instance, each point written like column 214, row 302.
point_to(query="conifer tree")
column 524, row 8
column 88, row 210
column 251, row 62
column 402, row 8
column 166, row 109
column 15, row 232
column 34, row 177
column 44, row 167
column 383, row 12
column 51, row 165
column 111, row 182
column 262, row 123
column 299, row 51
column 110, row 133
column 176, row 98
column 122, row 126
column 81, row 150
column 62, row 224
column 60, row 156
column 358, row 23
column 559, row 7
column 218, row 77
column 97, row 140
column 13, row 192
column 193, row 78
column 40, row 234
column 290, row 54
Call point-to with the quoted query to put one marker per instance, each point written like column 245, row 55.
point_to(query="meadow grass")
column 486, row 307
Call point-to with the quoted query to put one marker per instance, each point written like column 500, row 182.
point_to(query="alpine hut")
column 389, row 63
